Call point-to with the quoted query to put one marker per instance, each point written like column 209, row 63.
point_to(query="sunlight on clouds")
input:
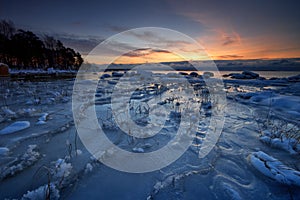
column 149, row 57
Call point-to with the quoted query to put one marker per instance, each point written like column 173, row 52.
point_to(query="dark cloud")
column 83, row 44
column 117, row 29
column 138, row 53
column 160, row 51
column 230, row 56
column 144, row 52
column 162, row 41
column 229, row 40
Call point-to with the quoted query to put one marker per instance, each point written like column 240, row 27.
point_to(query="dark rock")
column 194, row 74
column 261, row 78
column 237, row 76
column 244, row 75
column 105, row 76
column 117, row 74
column 208, row 74
column 245, row 95
column 183, row 73
column 250, row 74
column 294, row 78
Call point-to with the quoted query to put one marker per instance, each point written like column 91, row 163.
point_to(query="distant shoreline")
column 39, row 75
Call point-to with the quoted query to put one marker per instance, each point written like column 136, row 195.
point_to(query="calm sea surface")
column 266, row 74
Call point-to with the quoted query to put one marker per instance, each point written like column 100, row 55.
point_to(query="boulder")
column 237, row 76
column 294, row 78
column 194, row 74
column 183, row 73
column 244, row 75
column 250, row 74
column 117, row 74
column 208, row 74
column 105, row 76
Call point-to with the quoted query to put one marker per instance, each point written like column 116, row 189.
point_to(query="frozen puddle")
column 15, row 127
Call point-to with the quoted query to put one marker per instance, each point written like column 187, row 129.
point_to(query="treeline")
column 22, row 49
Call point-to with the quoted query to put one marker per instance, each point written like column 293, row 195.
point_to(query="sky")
column 232, row 29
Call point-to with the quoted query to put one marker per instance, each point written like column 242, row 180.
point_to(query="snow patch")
column 88, row 168
column 138, row 150
column 78, row 152
column 15, row 127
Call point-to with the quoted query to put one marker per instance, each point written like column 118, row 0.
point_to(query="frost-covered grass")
column 277, row 114
column 19, row 164
column 43, row 192
column 57, row 176
column 281, row 134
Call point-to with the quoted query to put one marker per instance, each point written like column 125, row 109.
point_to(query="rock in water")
column 249, row 74
column 117, row 74
column 15, row 127
column 208, row 74
column 194, row 74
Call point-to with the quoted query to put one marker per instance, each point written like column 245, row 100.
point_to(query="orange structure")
column 4, row 71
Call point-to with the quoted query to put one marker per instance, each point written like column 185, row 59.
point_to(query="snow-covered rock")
column 42, row 120
column 78, row 152
column 41, row 123
column 62, row 169
column 15, row 127
column 138, row 150
column 284, row 143
column 8, row 111
column 43, row 192
column 3, row 151
column 274, row 169
column 44, row 117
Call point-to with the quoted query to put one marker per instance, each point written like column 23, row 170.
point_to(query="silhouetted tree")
column 28, row 49
column 23, row 49
column 7, row 28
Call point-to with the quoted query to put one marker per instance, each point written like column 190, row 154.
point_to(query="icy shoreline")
column 60, row 157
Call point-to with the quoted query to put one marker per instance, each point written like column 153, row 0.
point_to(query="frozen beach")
column 257, row 155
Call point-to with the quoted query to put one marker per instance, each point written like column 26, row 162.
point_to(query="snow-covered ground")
column 256, row 157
